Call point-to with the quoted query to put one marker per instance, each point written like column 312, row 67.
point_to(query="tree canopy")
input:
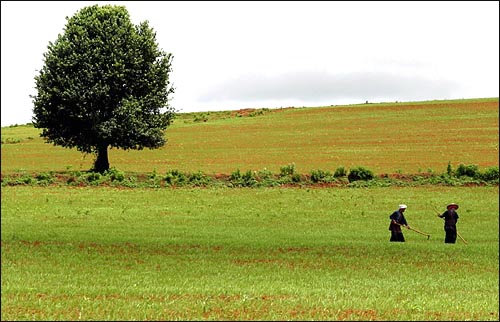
column 104, row 83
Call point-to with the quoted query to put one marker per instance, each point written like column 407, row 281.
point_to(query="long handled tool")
column 461, row 238
column 437, row 211
column 415, row 230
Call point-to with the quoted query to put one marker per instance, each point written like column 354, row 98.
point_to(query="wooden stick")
column 420, row 232
column 461, row 238
column 415, row 230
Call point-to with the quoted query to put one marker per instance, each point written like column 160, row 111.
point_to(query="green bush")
column 296, row 178
column 490, row 174
column 201, row 117
column 265, row 174
column 321, row 176
column 236, row 175
column 115, row 175
column 175, row 177
column 248, row 179
column 93, row 178
column 287, row 170
column 154, row 180
column 340, row 172
column 471, row 171
column 24, row 179
column 449, row 169
column 266, row 178
column 130, row 182
column 11, row 141
column 199, row 179
column 360, row 173
column 45, row 178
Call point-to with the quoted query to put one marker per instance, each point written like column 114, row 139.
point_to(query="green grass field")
column 282, row 253
column 245, row 254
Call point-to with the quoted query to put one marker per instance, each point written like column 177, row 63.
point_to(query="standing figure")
column 450, row 223
column 397, row 220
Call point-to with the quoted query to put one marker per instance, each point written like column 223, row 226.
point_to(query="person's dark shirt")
column 450, row 217
column 399, row 218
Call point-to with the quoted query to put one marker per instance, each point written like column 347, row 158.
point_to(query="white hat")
column 402, row 207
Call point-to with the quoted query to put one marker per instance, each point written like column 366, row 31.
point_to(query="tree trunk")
column 101, row 163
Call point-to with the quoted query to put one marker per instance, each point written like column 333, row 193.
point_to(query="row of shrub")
column 216, row 115
column 10, row 140
column 353, row 177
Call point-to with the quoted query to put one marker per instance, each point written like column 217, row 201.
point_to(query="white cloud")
column 231, row 55
column 308, row 86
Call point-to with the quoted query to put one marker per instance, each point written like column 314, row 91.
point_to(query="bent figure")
column 397, row 220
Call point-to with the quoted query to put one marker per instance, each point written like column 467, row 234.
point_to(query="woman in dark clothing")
column 450, row 217
column 397, row 220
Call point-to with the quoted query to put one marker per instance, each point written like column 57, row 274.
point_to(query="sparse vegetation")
column 465, row 175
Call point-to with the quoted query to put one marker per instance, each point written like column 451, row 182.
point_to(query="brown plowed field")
column 385, row 138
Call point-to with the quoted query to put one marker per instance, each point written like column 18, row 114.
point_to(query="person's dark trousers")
column 451, row 236
column 397, row 237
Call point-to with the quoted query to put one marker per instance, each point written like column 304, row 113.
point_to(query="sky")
column 265, row 54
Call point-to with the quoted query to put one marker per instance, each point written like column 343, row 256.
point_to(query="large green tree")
column 104, row 84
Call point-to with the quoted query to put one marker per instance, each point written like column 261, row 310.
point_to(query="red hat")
column 452, row 205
